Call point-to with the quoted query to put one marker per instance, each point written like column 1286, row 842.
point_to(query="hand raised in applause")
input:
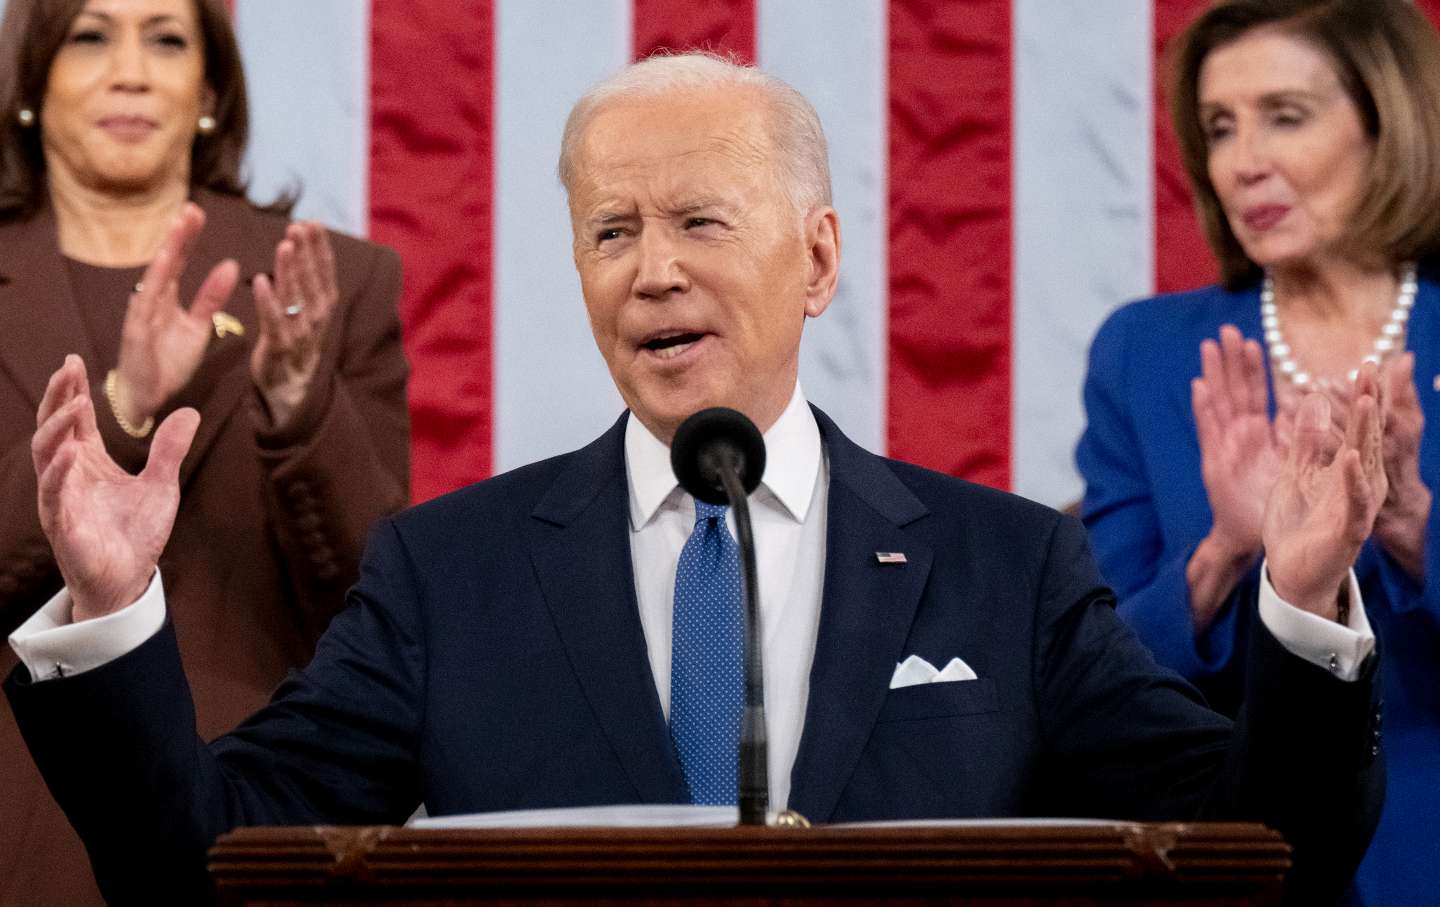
column 1241, row 455
column 1241, row 450
column 293, row 310
column 1404, row 518
column 161, row 344
column 106, row 527
column 1325, row 500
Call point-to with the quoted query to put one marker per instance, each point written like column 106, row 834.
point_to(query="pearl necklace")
column 1391, row 335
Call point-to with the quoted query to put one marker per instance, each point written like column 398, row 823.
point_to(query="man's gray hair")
column 798, row 141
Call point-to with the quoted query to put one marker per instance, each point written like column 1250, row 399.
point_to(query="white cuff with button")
column 52, row 647
column 1339, row 649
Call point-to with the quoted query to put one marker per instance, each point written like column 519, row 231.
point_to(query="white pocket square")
column 916, row 670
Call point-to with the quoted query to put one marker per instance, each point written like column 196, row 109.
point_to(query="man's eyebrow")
column 698, row 204
column 609, row 216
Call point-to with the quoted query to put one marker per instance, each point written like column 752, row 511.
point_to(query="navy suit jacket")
column 492, row 658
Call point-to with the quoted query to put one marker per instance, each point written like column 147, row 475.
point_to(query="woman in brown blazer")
column 122, row 126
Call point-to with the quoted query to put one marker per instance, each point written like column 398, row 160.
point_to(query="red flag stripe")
column 722, row 26
column 431, row 199
column 950, row 236
column 1183, row 259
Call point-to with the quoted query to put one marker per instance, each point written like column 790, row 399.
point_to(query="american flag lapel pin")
column 890, row 557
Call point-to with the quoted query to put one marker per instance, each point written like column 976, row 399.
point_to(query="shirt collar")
column 792, row 461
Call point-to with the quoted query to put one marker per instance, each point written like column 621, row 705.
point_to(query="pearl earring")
column 206, row 124
column 25, row 117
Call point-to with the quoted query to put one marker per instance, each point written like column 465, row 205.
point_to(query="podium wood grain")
column 1202, row 863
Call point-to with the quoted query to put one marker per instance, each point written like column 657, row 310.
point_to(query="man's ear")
column 822, row 246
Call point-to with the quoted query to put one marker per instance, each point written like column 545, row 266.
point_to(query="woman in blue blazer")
column 1311, row 134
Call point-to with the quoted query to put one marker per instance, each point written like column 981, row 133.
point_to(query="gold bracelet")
column 112, row 393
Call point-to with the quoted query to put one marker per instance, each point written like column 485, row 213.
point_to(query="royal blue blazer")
column 1146, row 510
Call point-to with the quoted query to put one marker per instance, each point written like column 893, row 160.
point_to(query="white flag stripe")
column 552, row 391
column 1083, row 216
column 833, row 51
column 307, row 70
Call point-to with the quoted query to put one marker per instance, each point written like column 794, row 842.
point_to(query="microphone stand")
column 754, row 775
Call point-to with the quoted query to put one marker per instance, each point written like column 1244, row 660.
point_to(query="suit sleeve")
column 1128, row 739
column 1119, row 512
column 342, row 461
column 118, row 748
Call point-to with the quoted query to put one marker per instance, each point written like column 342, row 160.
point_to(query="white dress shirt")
column 789, row 514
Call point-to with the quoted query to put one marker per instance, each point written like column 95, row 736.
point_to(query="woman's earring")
column 25, row 117
column 206, row 124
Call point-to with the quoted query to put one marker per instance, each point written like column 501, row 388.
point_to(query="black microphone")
column 718, row 456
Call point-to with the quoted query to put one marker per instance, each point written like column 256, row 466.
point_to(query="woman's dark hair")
column 1387, row 55
column 32, row 34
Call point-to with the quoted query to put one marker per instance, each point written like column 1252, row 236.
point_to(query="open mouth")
column 668, row 346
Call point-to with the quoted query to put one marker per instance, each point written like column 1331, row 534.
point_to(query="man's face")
column 697, row 270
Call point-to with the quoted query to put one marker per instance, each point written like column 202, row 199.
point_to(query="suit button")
column 1374, row 750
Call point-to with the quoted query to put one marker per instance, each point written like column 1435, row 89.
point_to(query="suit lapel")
column 35, row 288
column 580, row 543
column 865, row 618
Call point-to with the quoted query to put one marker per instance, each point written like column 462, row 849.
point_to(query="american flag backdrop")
column 1004, row 173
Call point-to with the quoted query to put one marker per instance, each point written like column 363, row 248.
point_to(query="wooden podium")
column 1202, row 863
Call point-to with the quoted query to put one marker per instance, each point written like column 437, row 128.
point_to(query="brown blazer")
column 270, row 526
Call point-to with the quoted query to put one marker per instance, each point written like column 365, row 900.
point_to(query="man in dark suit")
column 933, row 648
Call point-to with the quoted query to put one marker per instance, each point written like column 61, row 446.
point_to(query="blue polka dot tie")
column 707, row 659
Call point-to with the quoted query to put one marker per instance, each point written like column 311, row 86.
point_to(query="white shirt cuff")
column 1338, row 649
column 50, row 646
